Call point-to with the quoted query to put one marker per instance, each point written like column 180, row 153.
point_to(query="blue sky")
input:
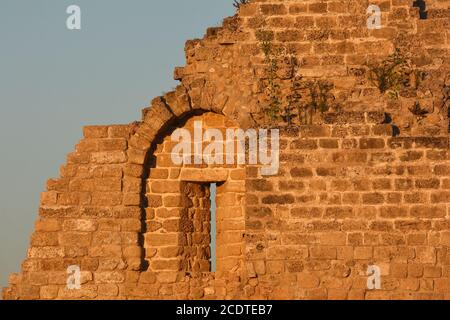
column 54, row 81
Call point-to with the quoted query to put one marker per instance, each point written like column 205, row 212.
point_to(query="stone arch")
column 165, row 115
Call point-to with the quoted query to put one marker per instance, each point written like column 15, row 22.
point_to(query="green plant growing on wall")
column 293, row 99
column 318, row 99
column 323, row 95
column 304, row 98
column 271, row 82
column 391, row 74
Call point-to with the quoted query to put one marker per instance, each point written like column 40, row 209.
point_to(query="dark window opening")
column 422, row 8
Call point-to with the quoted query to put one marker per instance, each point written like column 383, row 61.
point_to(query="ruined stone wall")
column 367, row 183
column 350, row 196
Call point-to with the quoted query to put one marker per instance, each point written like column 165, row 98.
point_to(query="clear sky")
column 54, row 81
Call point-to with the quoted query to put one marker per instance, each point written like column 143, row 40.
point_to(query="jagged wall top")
column 330, row 40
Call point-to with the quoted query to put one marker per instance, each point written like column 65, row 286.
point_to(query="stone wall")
column 366, row 184
column 350, row 196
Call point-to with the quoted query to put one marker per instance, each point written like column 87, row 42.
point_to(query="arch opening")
column 177, row 207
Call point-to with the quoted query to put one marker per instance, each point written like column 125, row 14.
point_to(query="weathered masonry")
column 364, row 176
